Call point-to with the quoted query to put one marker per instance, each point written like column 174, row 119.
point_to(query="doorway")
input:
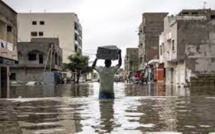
column 4, row 81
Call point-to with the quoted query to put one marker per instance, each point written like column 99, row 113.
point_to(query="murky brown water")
column 68, row 109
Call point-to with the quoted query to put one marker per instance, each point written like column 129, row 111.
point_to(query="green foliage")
column 78, row 62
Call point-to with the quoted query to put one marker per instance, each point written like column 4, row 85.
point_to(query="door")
column 3, row 82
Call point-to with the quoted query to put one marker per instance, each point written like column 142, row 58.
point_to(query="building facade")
column 149, row 31
column 35, row 58
column 187, row 46
column 8, row 45
column 131, row 61
column 64, row 26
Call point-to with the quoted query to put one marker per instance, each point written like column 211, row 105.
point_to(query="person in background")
column 106, row 75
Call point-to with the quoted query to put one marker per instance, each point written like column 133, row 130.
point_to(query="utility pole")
column 51, row 57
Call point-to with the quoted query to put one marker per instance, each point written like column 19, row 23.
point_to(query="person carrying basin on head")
column 107, row 72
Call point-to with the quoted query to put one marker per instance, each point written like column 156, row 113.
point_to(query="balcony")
column 169, row 56
column 7, row 50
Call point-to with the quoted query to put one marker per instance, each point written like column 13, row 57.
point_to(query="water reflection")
column 62, row 90
column 106, row 115
column 65, row 109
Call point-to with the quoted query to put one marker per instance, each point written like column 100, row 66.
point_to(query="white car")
column 15, row 83
column 34, row 83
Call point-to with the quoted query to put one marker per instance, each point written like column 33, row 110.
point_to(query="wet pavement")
column 137, row 109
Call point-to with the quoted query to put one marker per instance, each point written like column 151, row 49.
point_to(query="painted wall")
column 58, row 25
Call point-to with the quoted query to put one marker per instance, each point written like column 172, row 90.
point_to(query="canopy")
column 153, row 61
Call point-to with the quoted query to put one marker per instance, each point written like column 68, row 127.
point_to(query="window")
column 141, row 60
column 9, row 29
column 2, row 45
column 173, row 45
column 41, row 58
column 212, row 16
column 194, row 13
column 56, row 59
column 185, row 13
column 34, row 23
column 76, row 26
column 40, row 33
column 33, row 33
column 32, row 57
column 76, row 36
column 76, row 48
column 141, row 45
column 42, row 22
column 13, row 76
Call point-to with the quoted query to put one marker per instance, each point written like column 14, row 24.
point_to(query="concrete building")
column 131, row 61
column 64, row 26
column 187, row 46
column 35, row 58
column 149, row 31
column 8, row 43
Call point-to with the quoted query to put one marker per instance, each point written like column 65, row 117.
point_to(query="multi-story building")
column 149, row 31
column 187, row 46
column 8, row 43
column 64, row 26
column 131, row 61
column 35, row 58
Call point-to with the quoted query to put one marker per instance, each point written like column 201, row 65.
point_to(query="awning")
column 153, row 61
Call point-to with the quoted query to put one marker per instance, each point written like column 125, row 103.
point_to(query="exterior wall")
column 167, row 54
column 168, row 36
column 131, row 61
column 30, row 70
column 57, row 25
column 180, row 76
column 194, row 44
column 8, row 46
column 8, row 32
column 28, row 74
column 200, row 47
column 151, row 27
column 141, row 46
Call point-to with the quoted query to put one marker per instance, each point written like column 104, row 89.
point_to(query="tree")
column 78, row 64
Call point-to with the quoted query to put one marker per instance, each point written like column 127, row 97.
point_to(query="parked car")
column 34, row 83
column 15, row 83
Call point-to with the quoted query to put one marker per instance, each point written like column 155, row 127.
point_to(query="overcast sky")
column 108, row 22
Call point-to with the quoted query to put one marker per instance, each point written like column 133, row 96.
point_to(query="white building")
column 64, row 26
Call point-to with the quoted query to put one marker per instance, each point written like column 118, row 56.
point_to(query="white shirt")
column 106, row 75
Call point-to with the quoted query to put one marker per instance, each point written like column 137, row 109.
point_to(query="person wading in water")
column 106, row 75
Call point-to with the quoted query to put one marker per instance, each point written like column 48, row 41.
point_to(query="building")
column 64, row 26
column 149, row 31
column 131, row 61
column 35, row 58
column 8, row 43
column 187, row 47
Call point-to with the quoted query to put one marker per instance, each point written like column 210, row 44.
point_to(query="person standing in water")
column 106, row 75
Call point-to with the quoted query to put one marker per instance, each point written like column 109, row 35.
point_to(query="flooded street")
column 68, row 109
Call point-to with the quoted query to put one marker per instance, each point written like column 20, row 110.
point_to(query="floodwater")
column 137, row 109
